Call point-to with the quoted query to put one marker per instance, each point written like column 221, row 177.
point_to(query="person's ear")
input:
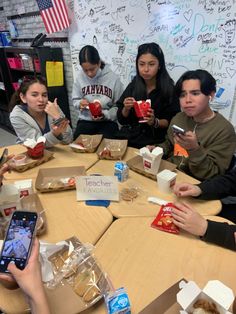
column 22, row 98
column 211, row 96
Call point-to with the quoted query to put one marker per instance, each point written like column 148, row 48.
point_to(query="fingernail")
column 12, row 262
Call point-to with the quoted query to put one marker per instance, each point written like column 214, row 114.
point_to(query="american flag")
column 54, row 14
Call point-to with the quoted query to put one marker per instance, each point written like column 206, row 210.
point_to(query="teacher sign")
column 97, row 188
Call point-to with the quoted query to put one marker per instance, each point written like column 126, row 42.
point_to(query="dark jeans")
column 107, row 128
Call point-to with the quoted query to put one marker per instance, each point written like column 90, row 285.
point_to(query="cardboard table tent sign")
column 97, row 188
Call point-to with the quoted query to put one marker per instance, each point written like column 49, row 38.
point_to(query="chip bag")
column 164, row 220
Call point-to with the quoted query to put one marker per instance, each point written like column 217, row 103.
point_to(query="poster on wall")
column 193, row 34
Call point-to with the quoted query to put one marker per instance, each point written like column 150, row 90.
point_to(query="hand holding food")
column 83, row 104
column 150, row 118
column 129, row 103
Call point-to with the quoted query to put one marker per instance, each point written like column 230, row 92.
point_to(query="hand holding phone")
column 177, row 130
column 59, row 121
column 18, row 241
column 29, row 280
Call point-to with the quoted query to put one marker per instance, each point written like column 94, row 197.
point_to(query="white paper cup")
column 165, row 180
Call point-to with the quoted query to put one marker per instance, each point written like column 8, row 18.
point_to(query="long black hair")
column 26, row 82
column 207, row 81
column 90, row 54
column 164, row 83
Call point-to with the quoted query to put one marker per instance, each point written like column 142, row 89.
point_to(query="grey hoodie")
column 26, row 127
column 105, row 86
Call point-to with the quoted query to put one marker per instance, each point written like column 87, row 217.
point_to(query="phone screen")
column 18, row 240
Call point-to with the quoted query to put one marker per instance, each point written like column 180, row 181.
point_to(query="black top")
column 141, row 134
column 221, row 233
column 220, row 186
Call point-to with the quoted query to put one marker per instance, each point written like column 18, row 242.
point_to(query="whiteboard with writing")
column 192, row 33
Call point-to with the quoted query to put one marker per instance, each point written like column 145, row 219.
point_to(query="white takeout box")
column 151, row 160
column 9, row 199
column 214, row 291
column 32, row 143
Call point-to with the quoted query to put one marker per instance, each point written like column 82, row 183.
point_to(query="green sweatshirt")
column 217, row 141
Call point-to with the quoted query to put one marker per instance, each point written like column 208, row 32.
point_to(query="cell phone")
column 18, row 240
column 176, row 129
column 3, row 158
column 58, row 121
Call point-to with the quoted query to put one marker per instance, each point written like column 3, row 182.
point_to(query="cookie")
column 84, row 280
column 129, row 194
column 91, row 294
column 56, row 184
column 59, row 259
column 71, row 272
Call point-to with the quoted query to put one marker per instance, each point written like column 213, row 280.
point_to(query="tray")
column 30, row 163
column 89, row 143
column 136, row 164
column 57, row 179
column 112, row 149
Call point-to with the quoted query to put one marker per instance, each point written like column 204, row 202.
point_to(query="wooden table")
column 144, row 260
column 147, row 261
column 147, row 187
column 63, row 157
column 65, row 216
